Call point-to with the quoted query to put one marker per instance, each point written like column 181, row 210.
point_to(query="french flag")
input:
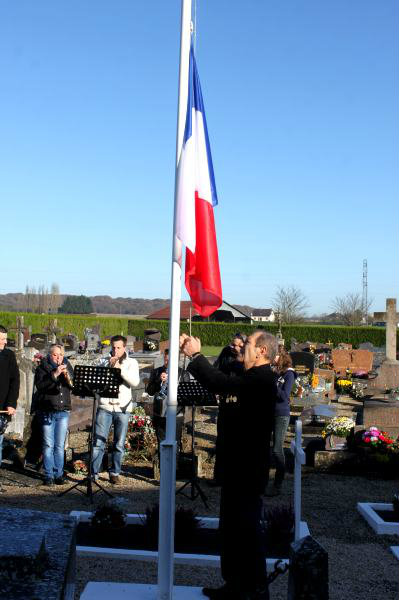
column 196, row 197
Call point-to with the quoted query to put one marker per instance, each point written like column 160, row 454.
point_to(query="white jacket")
column 131, row 378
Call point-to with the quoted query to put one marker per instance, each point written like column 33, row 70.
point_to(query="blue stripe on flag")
column 195, row 101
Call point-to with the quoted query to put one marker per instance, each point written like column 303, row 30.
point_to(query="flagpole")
column 168, row 446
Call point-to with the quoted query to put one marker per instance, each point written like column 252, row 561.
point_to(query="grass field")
column 211, row 350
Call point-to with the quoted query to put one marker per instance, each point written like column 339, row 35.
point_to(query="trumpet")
column 68, row 378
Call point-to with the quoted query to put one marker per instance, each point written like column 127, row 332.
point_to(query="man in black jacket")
column 53, row 383
column 9, row 380
column 244, row 457
column 159, row 378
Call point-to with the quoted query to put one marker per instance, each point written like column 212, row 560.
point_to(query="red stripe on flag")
column 202, row 268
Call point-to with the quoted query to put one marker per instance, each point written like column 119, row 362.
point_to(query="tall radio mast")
column 364, row 297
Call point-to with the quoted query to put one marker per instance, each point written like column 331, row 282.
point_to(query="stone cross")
column 391, row 317
column 300, row 459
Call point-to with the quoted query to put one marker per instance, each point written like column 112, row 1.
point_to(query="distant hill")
column 106, row 304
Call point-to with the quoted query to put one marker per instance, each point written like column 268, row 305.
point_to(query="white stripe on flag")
column 192, row 176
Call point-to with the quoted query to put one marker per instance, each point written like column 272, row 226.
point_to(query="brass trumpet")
column 68, row 378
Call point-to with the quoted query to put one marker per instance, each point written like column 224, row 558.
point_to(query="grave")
column 382, row 414
column 38, row 341
column 94, row 590
column 303, row 362
column 37, row 555
column 388, row 373
column 373, row 513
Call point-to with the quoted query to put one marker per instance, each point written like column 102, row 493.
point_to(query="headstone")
column 151, row 340
column 384, row 415
column 362, row 360
column 303, row 362
column 308, row 576
column 39, row 340
column 37, row 555
column 92, row 341
column 70, row 342
column 341, row 361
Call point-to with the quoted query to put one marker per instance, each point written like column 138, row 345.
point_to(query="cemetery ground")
column 360, row 561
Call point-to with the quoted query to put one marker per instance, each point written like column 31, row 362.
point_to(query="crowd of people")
column 253, row 378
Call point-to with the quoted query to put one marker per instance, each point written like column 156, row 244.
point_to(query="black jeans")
column 242, row 551
column 280, row 431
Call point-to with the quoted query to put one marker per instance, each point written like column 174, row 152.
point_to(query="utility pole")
column 364, row 297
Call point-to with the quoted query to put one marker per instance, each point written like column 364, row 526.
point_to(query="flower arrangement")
column 108, row 517
column 140, row 440
column 343, row 386
column 379, row 440
column 339, row 426
column 314, row 381
column 150, row 345
column 80, row 467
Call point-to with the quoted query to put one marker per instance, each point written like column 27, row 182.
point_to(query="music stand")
column 96, row 382
column 193, row 394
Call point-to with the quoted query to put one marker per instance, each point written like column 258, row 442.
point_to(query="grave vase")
column 335, row 442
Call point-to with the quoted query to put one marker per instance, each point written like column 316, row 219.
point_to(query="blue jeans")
column 280, row 431
column 104, row 420
column 55, row 427
column 1, row 448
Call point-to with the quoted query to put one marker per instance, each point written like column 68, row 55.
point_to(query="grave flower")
column 141, row 440
column 80, row 467
column 379, row 440
column 339, row 426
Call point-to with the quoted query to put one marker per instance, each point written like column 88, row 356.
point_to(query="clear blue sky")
column 302, row 107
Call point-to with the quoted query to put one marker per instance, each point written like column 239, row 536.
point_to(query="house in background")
column 263, row 314
column 226, row 313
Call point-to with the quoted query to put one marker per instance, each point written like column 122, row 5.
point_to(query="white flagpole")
column 168, row 447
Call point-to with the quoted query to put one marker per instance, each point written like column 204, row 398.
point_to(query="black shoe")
column 48, row 481
column 213, row 483
column 226, row 592
column 60, row 480
column 259, row 594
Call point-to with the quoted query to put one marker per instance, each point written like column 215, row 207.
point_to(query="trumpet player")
column 53, row 380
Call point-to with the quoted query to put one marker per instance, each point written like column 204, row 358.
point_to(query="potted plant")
column 278, row 526
column 343, row 386
column 141, row 441
column 79, row 467
column 336, row 432
column 108, row 520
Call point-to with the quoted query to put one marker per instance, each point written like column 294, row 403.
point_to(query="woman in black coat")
column 53, row 380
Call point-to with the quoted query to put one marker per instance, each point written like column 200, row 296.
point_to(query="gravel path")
column 360, row 562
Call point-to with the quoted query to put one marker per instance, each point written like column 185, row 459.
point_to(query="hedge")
column 219, row 334
column 69, row 323
column 211, row 334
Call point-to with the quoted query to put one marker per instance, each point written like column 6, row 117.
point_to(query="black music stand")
column 95, row 382
column 193, row 394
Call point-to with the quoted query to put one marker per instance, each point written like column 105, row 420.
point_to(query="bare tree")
column 291, row 303
column 54, row 298
column 29, row 301
column 351, row 309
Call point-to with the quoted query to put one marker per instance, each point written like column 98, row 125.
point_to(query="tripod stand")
column 191, row 393
column 96, row 382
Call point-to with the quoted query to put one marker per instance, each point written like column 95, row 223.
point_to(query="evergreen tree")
column 77, row 305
